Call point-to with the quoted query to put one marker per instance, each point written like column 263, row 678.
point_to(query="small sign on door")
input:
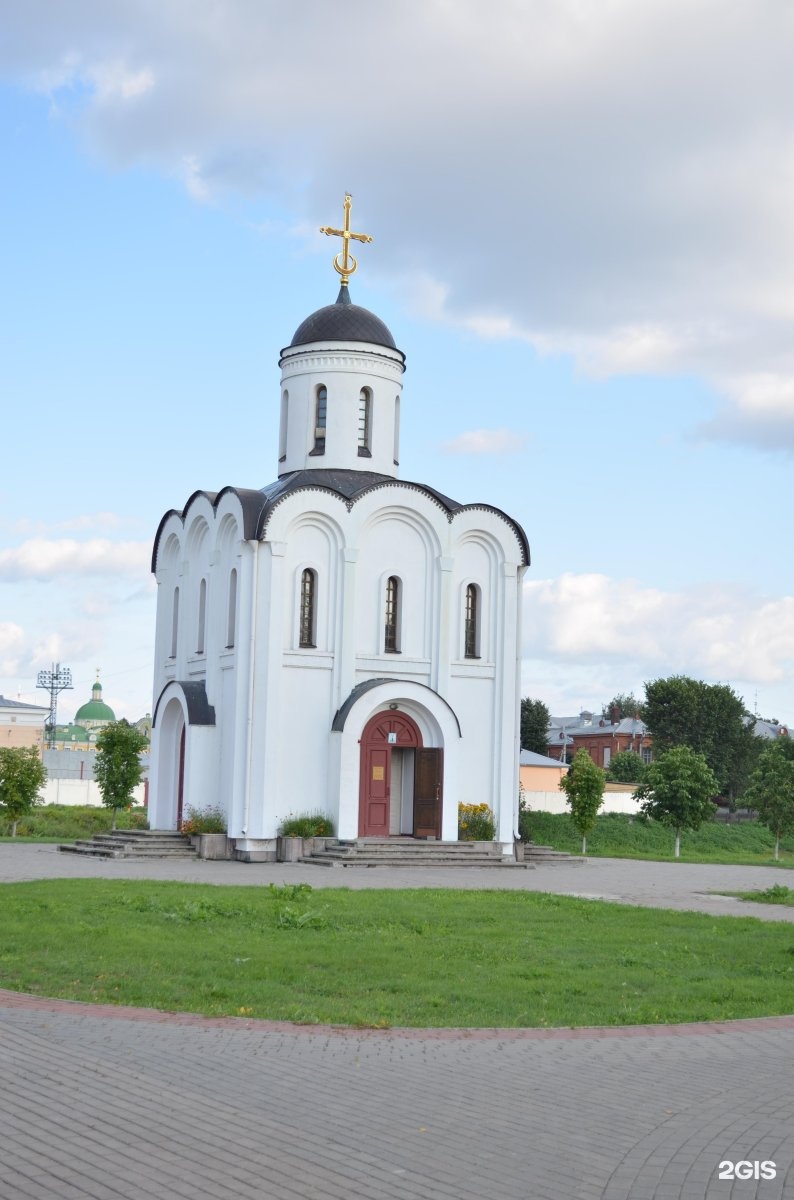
column 377, row 773
column 392, row 739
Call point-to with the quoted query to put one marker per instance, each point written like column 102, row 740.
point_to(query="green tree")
column 583, row 785
column 535, row 720
column 117, row 767
column 626, row 767
column 709, row 718
column 22, row 775
column 677, row 790
column 771, row 791
column 624, row 704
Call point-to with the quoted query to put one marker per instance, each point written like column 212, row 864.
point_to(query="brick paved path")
column 118, row 1104
column 101, row 1104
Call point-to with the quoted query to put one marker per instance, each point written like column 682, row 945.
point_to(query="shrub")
column 206, row 820
column 475, row 823
column 306, row 825
column 525, row 819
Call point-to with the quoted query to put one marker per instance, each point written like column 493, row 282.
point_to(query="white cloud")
column 573, row 197
column 485, row 441
column 761, row 412
column 40, row 558
column 718, row 632
column 114, row 80
column 11, row 646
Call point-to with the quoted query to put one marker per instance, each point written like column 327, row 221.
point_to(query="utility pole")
column 54, row 681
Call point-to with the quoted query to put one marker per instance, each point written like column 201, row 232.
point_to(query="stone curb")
column 79, row 1008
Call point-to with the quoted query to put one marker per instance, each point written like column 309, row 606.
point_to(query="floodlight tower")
column 54, row 681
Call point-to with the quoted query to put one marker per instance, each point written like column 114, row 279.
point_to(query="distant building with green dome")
column 89, row 721
column 90, row 718
column 95, row 713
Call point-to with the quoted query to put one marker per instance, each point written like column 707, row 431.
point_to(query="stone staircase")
column 405, row 852
column 545, row 854
column 133, row 843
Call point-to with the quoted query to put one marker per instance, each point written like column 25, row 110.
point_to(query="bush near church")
column 22, row 775
column 307, row 825
column 117, row 767
column 475, row 823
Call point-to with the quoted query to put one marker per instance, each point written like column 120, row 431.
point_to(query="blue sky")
column 584, row 241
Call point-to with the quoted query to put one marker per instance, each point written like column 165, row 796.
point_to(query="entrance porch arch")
column 421, row 763
column 183, row 758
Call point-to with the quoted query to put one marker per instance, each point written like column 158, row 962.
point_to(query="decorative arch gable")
column 348, row 487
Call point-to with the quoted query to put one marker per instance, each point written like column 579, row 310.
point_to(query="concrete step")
column 88, row 848
column 321, row 860
column 440, row 853
column 133, row 843
column 139, row 846
column 406, row 852
column 547, row 854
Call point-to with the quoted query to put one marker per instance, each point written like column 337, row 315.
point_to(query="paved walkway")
column 102, row 1103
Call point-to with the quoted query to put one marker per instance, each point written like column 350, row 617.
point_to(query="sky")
column 583, row 223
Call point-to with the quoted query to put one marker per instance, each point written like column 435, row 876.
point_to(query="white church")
column 342, row 640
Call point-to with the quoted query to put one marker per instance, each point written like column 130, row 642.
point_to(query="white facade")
column 282, row 683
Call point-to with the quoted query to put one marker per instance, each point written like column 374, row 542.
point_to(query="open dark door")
column 428, row 787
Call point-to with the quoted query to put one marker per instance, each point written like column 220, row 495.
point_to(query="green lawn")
column 778, row 894
column 619, row 836
column 416, row 958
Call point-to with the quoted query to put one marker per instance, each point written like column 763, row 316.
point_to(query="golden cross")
column 348, row 263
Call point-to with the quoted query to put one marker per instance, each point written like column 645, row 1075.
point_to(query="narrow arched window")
column 202, row 617
column 308, row 603
column 471, row 629
column 320, row 418
column 231, row 614
column 364, row 422
column 396, row 454
column 174, row 622
column 282, row 434
column 391, row 641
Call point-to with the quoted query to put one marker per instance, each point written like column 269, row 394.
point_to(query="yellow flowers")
column 475, row 823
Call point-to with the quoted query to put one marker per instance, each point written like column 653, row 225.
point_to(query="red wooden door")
column 428, row 785
column 383, row 733
column 180, row 789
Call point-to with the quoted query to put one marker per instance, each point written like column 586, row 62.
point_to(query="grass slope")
column 379, row 958
column 619, row 836
column 68, row 822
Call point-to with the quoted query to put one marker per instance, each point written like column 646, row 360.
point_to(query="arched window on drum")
column 307, row 619
column 471, row 622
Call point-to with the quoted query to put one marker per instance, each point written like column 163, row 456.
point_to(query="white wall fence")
column 614, row 801
column 80, row 791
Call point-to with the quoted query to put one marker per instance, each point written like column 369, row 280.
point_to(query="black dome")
column 343, row 322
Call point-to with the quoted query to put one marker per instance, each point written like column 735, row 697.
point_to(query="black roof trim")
column 342, row 713
column 251, row 502
column 348, row 486
column 199, row 709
